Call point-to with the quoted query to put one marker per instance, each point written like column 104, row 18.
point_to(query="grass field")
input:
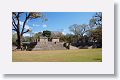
column 81, row 55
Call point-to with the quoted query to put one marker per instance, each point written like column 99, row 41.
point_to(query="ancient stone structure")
column 43, row 40
column 55, row 39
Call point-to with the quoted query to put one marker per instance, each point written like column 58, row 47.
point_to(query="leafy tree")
column 96, row 20
column 26, row 39
column 62, row 38
column 96, row 32
column 47, row 33
column 96, row 36
column 37, row 36
column 68, row 38
column 20, row 29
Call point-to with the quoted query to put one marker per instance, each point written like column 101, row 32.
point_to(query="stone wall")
column 43, row 40
column 55, row 40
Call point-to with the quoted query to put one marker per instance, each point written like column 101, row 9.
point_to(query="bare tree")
column 55, row 34
column 79, row 30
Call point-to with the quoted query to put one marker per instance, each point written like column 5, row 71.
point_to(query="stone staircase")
column 49, row 46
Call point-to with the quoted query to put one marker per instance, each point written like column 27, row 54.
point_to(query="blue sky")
column 58, row 21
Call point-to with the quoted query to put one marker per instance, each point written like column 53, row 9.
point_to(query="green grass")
column 81, row 55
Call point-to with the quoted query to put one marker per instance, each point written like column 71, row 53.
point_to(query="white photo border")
column 104, row 67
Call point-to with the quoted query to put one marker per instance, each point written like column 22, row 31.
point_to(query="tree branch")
column 26, row 31
column 14, row 29
column 13, row 23
column 18, row 22
column 27, row 17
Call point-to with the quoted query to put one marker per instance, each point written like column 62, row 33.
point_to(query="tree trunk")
column 19, row 41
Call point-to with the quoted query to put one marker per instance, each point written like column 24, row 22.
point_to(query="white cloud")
column 41, row 30
column 27, row 27
column 36, row 32
column 36, row 25
column 63, row 33
column 27, row 34
column 44, row 25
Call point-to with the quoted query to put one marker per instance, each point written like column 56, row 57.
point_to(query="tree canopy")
column 47, row 33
